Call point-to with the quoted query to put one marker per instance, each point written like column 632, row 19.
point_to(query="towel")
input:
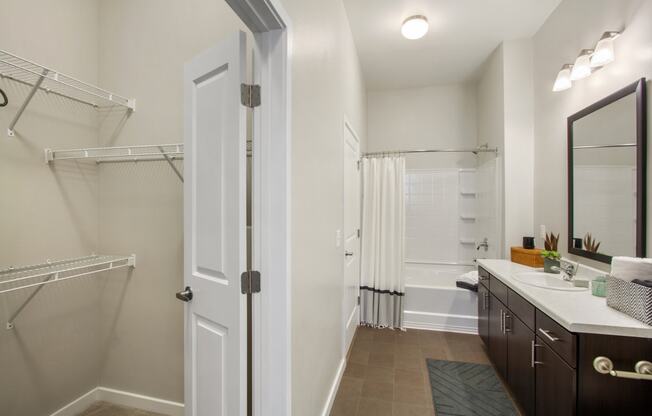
column 467, row 285
column 470, row 277
column 630, row 268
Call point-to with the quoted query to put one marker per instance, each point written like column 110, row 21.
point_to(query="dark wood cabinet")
column 520, row 362
column 602, row 394
column 483, row 313
column 561, row 381
column 497, row 336
column 556, row 387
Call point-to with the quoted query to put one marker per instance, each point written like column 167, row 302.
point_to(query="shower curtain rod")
column 402, row 152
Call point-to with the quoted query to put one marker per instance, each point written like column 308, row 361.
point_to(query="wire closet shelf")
column 17, row 278
column 42, row 78
column 118, row 153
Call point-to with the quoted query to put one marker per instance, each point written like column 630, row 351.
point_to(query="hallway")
column 387, row 375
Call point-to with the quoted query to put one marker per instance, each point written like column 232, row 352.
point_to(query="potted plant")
column 550, row 255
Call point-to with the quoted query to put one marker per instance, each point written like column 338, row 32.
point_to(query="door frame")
column 345, row 316
column 271, row 192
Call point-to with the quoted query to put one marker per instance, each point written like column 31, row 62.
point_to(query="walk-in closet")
column 91, row 177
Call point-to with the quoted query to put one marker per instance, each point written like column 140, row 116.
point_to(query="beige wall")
column 144, row 44
column 518, row 153
column 440, row 116
column 52, row 355
column 323, row 93
column 491, row 130
column 574, row 25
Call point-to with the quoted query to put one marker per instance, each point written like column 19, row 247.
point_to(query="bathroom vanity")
column 543, row 343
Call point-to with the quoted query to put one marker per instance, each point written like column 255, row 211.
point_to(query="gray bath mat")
column 467, row 389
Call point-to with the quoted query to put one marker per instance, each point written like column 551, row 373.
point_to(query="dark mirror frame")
column 638, row 88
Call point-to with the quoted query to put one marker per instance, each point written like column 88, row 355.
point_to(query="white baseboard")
column 78, row 405
column 333, row 391
column 440, row 322
column 139, row 401
column 123, row 398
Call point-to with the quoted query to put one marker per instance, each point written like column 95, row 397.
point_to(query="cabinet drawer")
column 559, row 339
column 483, row 277
column 498, row 289
column 523, row 309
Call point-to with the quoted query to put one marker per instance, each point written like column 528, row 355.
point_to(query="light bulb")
column 414, row 27
column 604, row 50
column 563, row 81
column 582, row 67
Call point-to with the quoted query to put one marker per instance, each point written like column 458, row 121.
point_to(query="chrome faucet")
column 484, row 243
column 567, row 268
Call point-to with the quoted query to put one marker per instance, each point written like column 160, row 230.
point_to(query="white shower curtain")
column 382, row 287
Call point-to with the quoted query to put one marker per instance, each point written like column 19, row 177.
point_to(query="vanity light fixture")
column 414, row 27
column 582, row 67
column 604, row 50
column 563, row 81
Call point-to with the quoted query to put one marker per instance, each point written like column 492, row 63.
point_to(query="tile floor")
column 387, row 375
column 109, row 409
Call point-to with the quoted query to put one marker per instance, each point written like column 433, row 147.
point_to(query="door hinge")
column 358, row 299
column 250, row 282
column 357, row 163
column 358, row 232
column 250, row 95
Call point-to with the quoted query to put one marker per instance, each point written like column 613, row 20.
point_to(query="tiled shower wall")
column 440, row 206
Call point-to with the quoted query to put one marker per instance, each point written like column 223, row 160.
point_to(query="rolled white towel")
column 470, row 277
column 630, row 268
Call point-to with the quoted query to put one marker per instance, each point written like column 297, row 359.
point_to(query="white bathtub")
column 432, row 301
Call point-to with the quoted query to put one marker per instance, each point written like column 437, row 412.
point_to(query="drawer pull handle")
column 535, row 345
column 547, row 334
column 643, row 369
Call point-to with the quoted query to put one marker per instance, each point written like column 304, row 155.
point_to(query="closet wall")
column 120, row 330
column 144, row 44
column 53, row 353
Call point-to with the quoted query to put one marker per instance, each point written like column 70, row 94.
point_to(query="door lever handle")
column 185, row 295
column 348, row 253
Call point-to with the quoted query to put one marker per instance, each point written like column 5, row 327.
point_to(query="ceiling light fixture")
column 414, row 27
column 563, row 81
column 604, row 50
column 582, row 67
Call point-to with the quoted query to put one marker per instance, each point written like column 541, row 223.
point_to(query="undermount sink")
column 547, row 281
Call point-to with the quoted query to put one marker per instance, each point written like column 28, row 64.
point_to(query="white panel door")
column 214, row 231
column 351, row 313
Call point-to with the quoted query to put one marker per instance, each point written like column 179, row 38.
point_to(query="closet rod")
column 402, row 152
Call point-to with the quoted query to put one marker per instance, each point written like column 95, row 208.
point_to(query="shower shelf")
column 38, row 275
column 42, row 78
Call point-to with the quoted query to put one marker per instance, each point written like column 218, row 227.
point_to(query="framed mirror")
column 607, row 154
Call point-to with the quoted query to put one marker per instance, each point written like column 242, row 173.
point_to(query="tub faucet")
column 484, row 243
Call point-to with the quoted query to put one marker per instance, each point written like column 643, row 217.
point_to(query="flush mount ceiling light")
column 604, row 50
column 582, row 67
column 414, row 27
column 563, row 81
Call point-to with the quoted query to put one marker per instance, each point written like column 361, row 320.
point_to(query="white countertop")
column 576, row 311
